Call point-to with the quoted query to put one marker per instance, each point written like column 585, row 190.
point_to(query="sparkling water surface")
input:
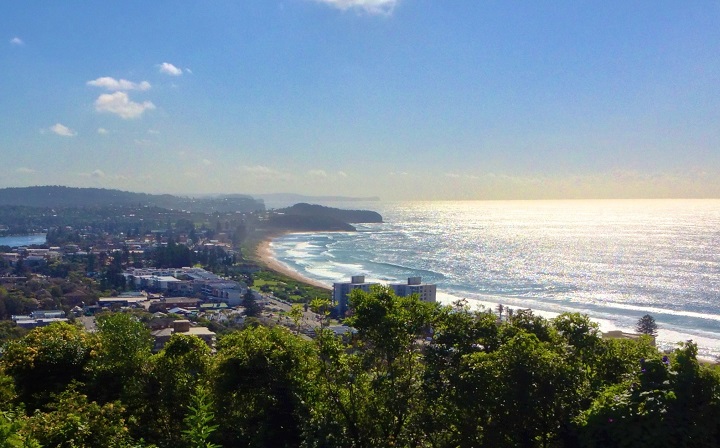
column 612, row 260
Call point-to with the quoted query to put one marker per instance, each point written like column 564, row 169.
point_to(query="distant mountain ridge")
column 59, row 196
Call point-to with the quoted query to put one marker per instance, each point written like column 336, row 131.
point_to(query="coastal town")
column 190, row 278
column 202, row 274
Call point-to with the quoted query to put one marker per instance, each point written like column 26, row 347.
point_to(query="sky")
column 400, row 99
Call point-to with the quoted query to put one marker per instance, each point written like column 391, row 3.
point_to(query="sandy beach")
column 265, row 256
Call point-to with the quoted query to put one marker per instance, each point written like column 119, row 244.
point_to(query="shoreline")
column 265, row 256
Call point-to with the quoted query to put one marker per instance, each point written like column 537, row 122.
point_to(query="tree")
column 46, row 361
column 667, row 403
column 647, row 325
column 124, row 348
column 296, row 314
column 199, row 421
column 262, row 386
column 177, row 372
column 73, row 421
column 252, row 309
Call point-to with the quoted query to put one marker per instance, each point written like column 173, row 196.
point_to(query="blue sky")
column 406, row 99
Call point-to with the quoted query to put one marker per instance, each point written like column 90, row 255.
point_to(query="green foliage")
column 667, row 404
column 73, row 422
column 9, row 331
column 252, row 309
column 199, row 421
column 387, row 322
column 11, row 431
column 176, row 373
column 287, row 288
column 262, row 385
column 296, row 314
column 122, row 352
column 46, row 361
column 412, row 375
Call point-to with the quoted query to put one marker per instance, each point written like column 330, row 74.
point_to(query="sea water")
column 23, row 240
column 612, row 260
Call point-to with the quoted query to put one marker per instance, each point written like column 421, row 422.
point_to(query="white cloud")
column 170, row 69
column 206, row 162
column 17, row 41
column 318, row 173
column 100, row 174
column 62, row 130
column 264, row 172
column 119, row 103
column 342, row 174
column 153, row 132
column 102, row 131
column 384, row 7
column 113, row 84
column 24, row 170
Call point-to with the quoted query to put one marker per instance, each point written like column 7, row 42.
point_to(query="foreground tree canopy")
column 413, row 375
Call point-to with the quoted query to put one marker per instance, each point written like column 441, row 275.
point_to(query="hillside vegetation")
column 414, row 375
column 57, row 196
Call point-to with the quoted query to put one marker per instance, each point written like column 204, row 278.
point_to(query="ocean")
column 614, row 260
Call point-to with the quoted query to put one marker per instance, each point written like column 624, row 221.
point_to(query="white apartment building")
column 426, row 291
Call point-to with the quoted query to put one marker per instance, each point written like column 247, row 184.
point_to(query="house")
column 617, row 334
column 39, row 318
column 110, row 302
column 47, row 314
column 35, row 323
column 169, row 303
column 182, row 327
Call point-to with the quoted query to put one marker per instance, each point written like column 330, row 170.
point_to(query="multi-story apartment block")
column 426, row 291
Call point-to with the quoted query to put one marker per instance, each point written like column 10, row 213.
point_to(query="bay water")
column 614, row 260
column 23, row 240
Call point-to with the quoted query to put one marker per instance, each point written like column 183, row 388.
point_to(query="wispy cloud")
column 384, row 7
column 170, row 69
column 318, row 173
column 207, row 162
column 24, row 170
column 17, row 41
column 99, row 174
column 264, row 172
column 113, row 84
column 62, row 130
column 102, row 131
column 119, row 103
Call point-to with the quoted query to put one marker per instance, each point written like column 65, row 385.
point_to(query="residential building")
column 426, row 291
column 110, row 302
column 182, row 327
column 342, row 290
